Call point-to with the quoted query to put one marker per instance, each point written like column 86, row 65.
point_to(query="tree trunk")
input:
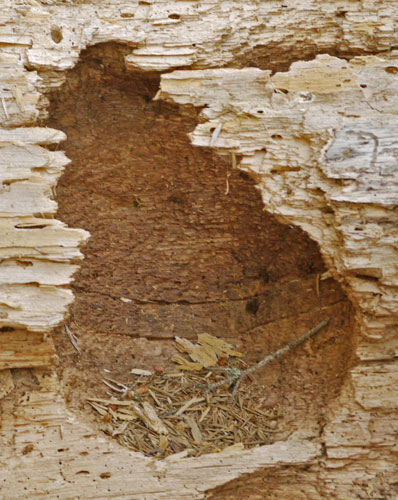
column 300, row 96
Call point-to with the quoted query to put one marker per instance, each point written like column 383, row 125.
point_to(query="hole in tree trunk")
column 171, row 254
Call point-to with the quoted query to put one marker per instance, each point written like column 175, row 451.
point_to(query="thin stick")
column 234, row 166
column 238, row 375
column 235, row 389
column 228, row 175
column 72, row 338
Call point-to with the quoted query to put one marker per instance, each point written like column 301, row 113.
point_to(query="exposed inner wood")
column 172, row 254
column 321, row 143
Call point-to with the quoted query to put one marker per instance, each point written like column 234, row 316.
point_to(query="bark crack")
column 172, row 302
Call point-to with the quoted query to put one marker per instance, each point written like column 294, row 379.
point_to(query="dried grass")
column 184, row 418
column 191, row 410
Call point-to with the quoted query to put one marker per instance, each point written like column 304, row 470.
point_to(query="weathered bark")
column 319, row 139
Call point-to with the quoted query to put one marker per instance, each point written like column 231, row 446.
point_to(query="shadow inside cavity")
column 171, row 253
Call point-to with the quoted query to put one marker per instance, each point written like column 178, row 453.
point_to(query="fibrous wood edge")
column 324, row 164
column 6, row 383
column 294, row 144
column 25, row 349
column 320, row 161
column 70, row 459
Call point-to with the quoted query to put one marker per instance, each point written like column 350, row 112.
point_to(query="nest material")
column 161, row 413
column 191, row 411
column 169, row 413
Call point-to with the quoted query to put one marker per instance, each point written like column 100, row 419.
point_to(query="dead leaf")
column 201, row 354
column 206, row 352
column 185, row 364
column 208, row 424
column 195, row 431
column 219, row 346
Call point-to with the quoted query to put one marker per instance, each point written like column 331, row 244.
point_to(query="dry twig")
column 167, row 413
column 235, row 375
column 72, row 338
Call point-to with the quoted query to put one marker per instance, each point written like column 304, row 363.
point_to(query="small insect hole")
column 306, row 96
column 105, row 475
column 174, row 16
column 244, row 176
column 9, row 329
column 391, row 69
column 252, row 306
column 24, row 263
column 27, row 449
column 363, row 86
column 56, row 34
column 276, row 137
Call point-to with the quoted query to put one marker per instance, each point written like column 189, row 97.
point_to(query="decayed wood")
column 320, row 165
column 295, row 139
column 35, row 135
column 6, row 383
column 23, row 349
column 83, row 463
column 288, row 136
column 38, row 308
column 38, row 238
column 319, row 140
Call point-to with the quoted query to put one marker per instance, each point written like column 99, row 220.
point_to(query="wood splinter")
column 235, row 375
column 72, row 338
